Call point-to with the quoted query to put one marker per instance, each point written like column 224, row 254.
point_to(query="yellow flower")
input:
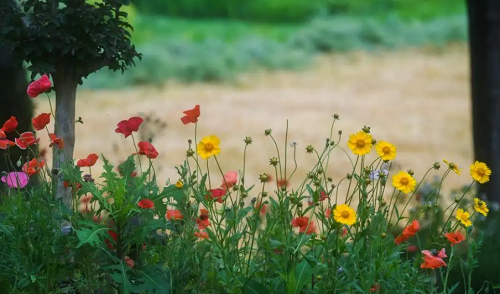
column 208, row 146
column 463, row 217
column 481, row 207
column 344, row 214
column 404, row 182
column 179, row 184
column 360, row 143
column 385, row 150
column 452, row 166
column 480, row 172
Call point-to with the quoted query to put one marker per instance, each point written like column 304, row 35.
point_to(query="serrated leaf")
column 90, row 233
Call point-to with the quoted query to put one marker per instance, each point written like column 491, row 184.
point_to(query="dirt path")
column 416, row 99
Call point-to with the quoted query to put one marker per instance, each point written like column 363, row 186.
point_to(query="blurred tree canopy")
column 296, row 10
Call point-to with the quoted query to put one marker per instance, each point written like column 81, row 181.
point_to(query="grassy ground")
column 417, row 99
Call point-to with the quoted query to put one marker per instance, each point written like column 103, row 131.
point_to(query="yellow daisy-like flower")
column 344, row 214
column 463, row 217
column 452, row 166
column 179, row 184
column 404, row 182
column 208, row 146
column 481, row 207
column 480, row 172
column 385, row 150
column 360, row 143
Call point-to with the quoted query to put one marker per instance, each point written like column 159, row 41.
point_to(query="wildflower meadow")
column 126, row 231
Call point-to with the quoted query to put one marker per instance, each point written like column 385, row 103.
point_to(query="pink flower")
column 230, row 179
column 16, row 179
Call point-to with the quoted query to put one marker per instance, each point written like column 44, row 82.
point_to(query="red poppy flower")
column 433, row 261
column 203, row 221
column 130, row 262
column 230, row 179
column 146, row 204
column 32, row 167
column 2, row 135
column 408, row 232
column 10, row 125
column 4, row 144
column 56, row 141
column 174, row 214
column 191, row 115
column 114, row 236
column 262, row 207
column 322, row 196
column 146, row 148
column 283, row 182
column 201, row 234
column 216, row 194
column 454, row 237
column 74, row 186
column 41, row 121
column 39, row 86
column 26, row 139
column 89, row 161
column 304, row 225
column 126, row 127
column 133, row 174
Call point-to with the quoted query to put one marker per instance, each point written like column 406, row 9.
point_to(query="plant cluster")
column 128, row 234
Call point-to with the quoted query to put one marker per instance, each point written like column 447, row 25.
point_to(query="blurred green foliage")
column 298, row 10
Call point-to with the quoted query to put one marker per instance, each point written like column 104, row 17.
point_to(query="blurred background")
column 398, row 66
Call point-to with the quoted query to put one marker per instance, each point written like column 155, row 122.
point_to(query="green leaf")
column 304, row 274
column 90, row 233
column 254, row 287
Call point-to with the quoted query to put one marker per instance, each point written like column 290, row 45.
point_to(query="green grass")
column 154, row 28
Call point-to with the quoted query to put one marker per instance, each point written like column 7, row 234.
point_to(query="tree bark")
column 65, row 86
column 484, row 45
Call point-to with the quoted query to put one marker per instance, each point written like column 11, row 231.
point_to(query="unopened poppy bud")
column 254, row 199
column 190, row 141
column 340, row 132
column 333, row 186
column 336, row 116
column 309, row 149
column 329, row 179
column 436, row 165
column 273, row 161
column 332, row 143
column 410, row 172
column 320, row 171
column 310, row 175
column 383, row 235
column 349, row 176
column 19, row 162
column 457, row 200
column 268, row 132
column 319, row 278
column 248, row 140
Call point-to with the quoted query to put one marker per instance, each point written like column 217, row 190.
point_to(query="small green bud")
column 268, row 132
column 309, row 149
column 248, row 140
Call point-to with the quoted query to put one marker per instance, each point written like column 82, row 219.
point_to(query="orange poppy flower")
column 32, row 167
column 4, row 144
column 39, row 86
column 2, row 135
column 201, row 234
column 304, row 225
column 408, row 232
column 283, row 182
column 26, row 139
column 146, row 148
column 174, row 214
column 203, row 221
column 126, row 127
column 56, row 141
column 146, row 204
column 41, row 121
column 89, row 161
column 10, row 125
column 191, row 115
column 454, row 237
column 433, row 261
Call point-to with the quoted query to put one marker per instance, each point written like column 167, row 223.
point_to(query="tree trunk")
column 484, row 45
column 65, row 86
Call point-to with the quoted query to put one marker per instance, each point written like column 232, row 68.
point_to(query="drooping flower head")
column 433, row 260
column 480, row 172
column 146, row 148
column 89, row 161
column 344, row 214
column 386, row 150
column 10, row 125
column 33, row 166
column 41, row 121
column 25, row 140
column 126, row 127
column 454, row 237
column 208, row 146
column 55, row 141
column 39, row 86
column 191, row 115
column 463, row 217
column 481, row 207
column 408, row 232
column 16, row 179
column 452, row 166
column 404, row 182
column 360, row 143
